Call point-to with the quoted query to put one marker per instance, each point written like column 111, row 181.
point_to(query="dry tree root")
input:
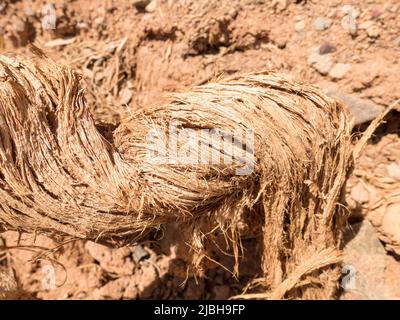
column 60, row 176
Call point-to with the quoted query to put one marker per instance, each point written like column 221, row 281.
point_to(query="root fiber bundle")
column 281, row 183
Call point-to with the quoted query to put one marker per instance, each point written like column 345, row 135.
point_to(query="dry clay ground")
column 131, row 52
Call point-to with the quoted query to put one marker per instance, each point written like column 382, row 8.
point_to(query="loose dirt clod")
column 60, row 176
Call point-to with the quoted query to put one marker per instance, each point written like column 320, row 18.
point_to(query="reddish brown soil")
column 130, row 57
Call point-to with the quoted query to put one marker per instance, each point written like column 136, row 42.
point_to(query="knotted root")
column 281, row 182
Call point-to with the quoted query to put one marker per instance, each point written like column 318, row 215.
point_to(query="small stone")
column 139, row 253
column 351, row 11
column 281, row 43
column 339, row 70
column 326, row 48
column 321, row 63
column 394, row 170
column 373, row 32
column 352, row 28
column 397, row 42
column 140, row 4
column 363, row 272
column 321, row 24
column 299, row 26
column 361, row 110
column 365, row 76
column 233, row 13
column 152, row 6
column 349, row 21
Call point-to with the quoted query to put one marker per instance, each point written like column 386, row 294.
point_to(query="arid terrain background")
column 132, row 53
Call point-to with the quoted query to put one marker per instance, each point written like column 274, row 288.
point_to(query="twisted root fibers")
column 60, row 176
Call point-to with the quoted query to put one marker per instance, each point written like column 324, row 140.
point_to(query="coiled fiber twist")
column 60, row 176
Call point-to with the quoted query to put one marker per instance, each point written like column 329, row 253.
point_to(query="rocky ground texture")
column 131, row 53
